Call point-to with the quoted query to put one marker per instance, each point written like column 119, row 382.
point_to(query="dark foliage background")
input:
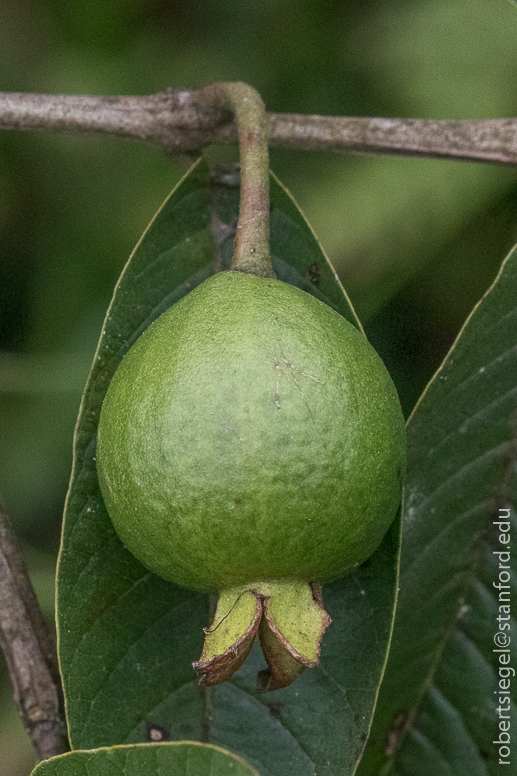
column 416, row 242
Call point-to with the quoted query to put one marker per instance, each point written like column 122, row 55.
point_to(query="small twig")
column 181, row 122
column 29, row 649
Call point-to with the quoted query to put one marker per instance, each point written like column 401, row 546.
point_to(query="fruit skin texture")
column 251, row 433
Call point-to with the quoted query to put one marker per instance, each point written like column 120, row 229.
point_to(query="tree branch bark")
column 180, row 121
column 29, row 650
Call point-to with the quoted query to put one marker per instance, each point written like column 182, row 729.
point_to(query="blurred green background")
column 416, row 242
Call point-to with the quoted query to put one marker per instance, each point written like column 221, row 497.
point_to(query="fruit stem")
column 251, row 251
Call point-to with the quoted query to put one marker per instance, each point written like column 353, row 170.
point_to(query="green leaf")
column 127, row 638
column 179, row 758
column 437, row 705
column 298, row 257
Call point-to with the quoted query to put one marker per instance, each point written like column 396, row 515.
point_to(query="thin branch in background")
column 484, row 140
column 29, row 650
column 182, row 121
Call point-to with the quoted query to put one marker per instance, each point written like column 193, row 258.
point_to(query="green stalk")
column 251, row 251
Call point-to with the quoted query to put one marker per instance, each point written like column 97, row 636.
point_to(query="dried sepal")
column 290, row 619
column 230, row 637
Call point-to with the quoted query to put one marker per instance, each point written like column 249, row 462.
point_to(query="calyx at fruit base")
column 290, row 620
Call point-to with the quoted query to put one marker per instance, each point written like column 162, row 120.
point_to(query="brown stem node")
column 29, row 650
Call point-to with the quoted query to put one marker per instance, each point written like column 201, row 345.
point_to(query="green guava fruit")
column 251, row 442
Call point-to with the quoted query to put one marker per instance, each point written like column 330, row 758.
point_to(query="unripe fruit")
column 251, row 436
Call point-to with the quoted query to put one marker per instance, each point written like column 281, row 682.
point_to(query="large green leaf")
column 126, row 637
column 437, row 705
column 181, row 759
